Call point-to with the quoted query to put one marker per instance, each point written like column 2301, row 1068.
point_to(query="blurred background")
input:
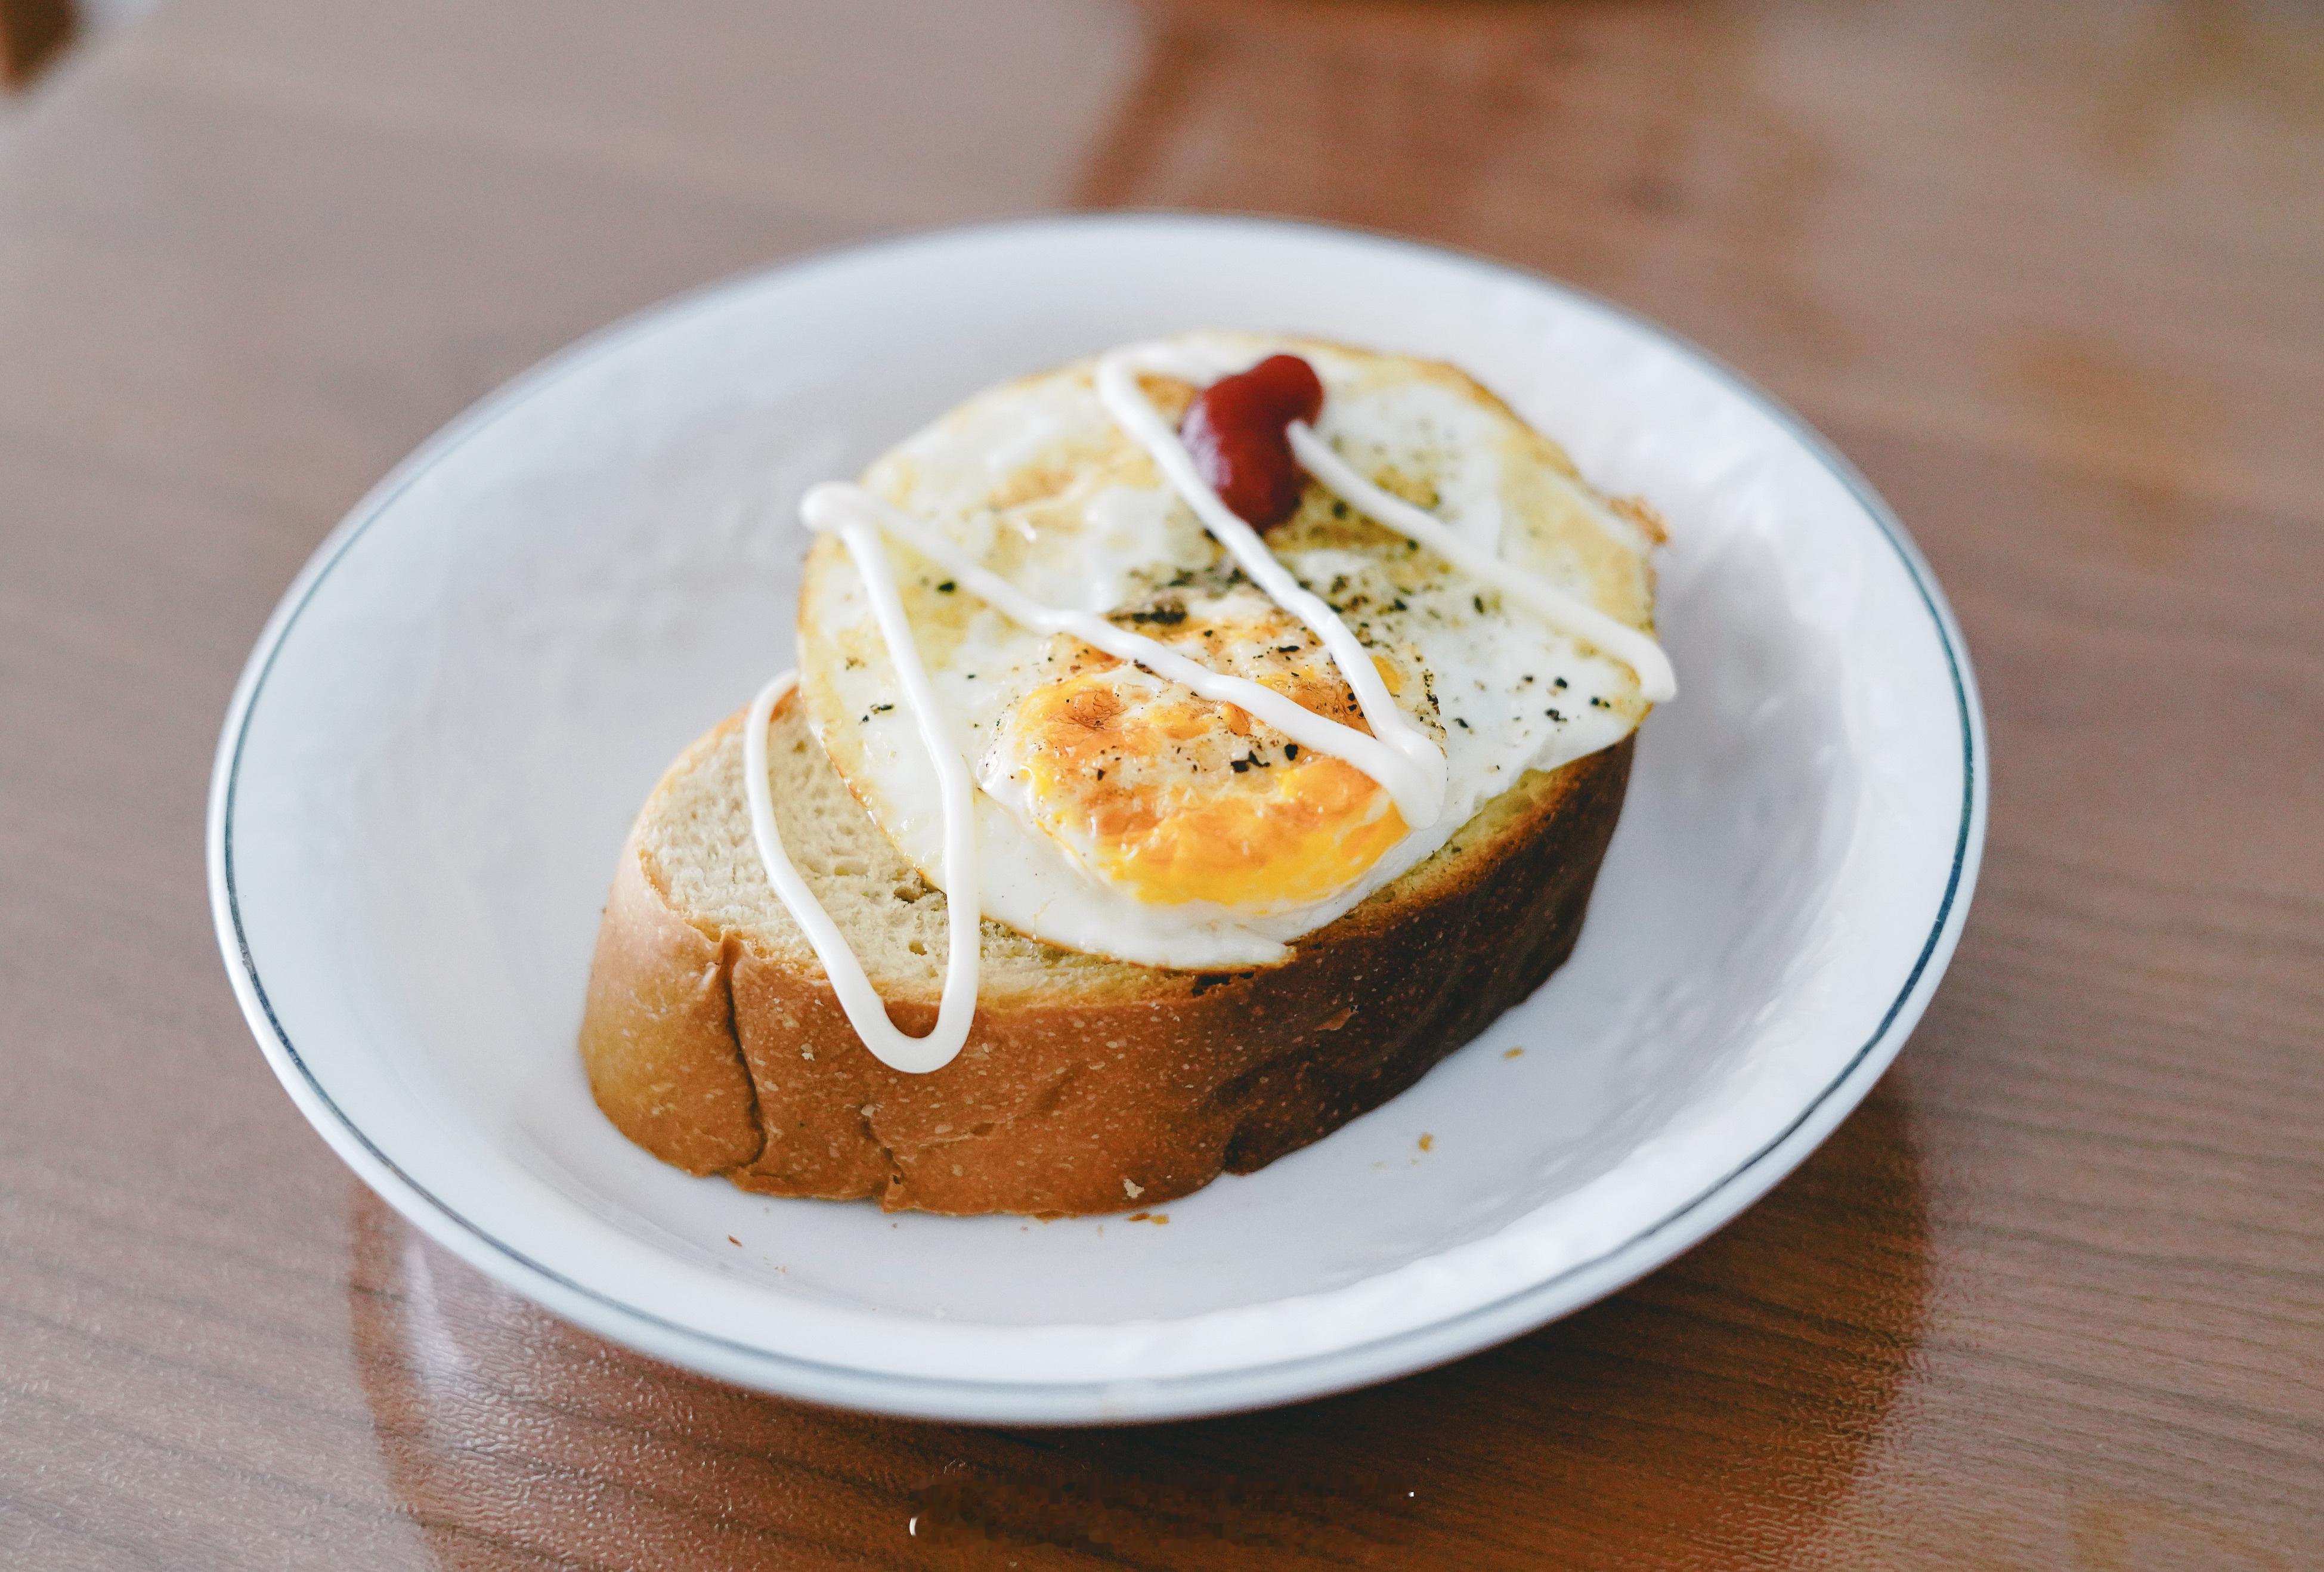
column 2052, row 275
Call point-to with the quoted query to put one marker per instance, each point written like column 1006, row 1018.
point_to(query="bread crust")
column 657, row 1030
column 720, row 1056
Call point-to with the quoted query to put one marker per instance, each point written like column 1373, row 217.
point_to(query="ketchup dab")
column 1235, row 431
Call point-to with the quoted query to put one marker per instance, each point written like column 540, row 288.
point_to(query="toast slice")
column 1087, row 1085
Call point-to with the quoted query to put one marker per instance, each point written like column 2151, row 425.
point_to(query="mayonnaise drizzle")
column 963, row 896
column 1417, row 782
column 1403, row 759
column 1657, row 682
column 831, row 505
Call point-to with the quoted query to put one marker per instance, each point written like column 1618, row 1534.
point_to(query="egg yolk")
column 1174, row 798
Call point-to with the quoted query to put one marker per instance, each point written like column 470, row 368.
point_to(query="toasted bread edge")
column 718, row 1056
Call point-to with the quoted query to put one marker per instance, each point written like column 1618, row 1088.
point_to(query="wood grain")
column 2053, row 276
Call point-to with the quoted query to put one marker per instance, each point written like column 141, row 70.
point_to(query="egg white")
column 1034, row 480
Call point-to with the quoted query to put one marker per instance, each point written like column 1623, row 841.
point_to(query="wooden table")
column 2052, row 275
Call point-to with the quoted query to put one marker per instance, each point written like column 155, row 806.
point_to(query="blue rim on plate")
column 1182, row 1396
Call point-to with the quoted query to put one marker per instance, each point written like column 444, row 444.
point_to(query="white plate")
column 442, row 735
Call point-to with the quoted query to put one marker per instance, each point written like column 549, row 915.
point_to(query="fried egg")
column 1123, row 815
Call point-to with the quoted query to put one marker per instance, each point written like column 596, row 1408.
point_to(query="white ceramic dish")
column 442, row 735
